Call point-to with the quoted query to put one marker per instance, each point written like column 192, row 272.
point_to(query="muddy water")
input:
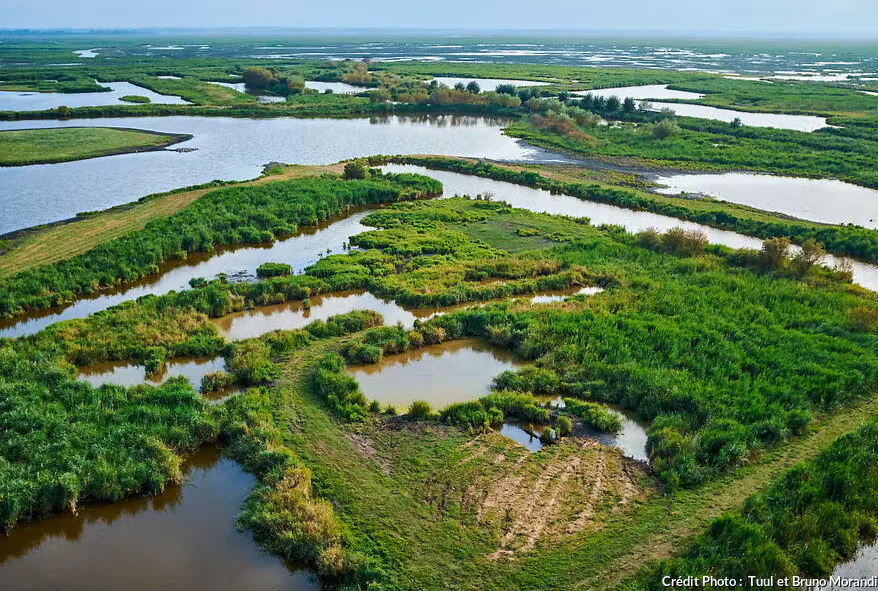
column 183, row 539
column 634, row 221
column 818, row 200
column 455, row 371
column 291, row 315
column 127, row 374
column 298, row 251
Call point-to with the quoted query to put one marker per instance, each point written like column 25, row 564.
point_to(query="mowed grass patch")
column 43, row 146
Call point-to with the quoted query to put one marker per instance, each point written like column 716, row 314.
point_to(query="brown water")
column 291, row 315
column 184, row 539
column 455, row 371
column 126, row 374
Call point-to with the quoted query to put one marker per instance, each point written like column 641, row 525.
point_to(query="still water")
column 634, row 221
column 180, row 540
column 40, row 101
column 817, row 200
column 126, row 374
column 298, row 251
column 455, row 371
column 645, row 92
column 231, row 149
column 486, row 84
column 776, row 120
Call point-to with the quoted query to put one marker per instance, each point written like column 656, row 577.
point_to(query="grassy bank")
column 45, row 146
column 853, row 241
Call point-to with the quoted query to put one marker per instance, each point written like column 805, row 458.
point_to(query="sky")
column 701, row 17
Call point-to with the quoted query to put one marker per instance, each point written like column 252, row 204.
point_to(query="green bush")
column 273, row 270
column 340, row 391
column 594, row 415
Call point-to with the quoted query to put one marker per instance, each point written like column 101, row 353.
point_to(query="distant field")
column 37, row 146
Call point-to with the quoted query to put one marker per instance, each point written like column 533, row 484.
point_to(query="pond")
column 647, row 91
column 291, row 315
column 776, row 120
column 40, row 101
column 126, row 374
column 240, row 263
column 455, row 371
column 182, row 539
column 486, row 84
column 818, row 200
column 538, row 200
column 336, row 87
column 231, row 149
column 242, row 88
column 631, row 440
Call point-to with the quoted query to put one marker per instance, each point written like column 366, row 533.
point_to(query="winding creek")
column 816, row 200
column 184, row 538
column 309, row 244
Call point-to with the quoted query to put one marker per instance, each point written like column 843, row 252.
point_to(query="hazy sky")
column 852, row 17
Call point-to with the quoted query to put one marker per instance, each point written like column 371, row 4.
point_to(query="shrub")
column 340, row 391
column 216, row 380
column 356, row 169
column 273, row 270
column 420, row 411
column 563, row 426
column 593, row 414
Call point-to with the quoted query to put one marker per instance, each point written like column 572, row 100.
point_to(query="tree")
column 505, row 89
column 257, row 77
column 564, row 426
column 629, row 105
column 612, row 105
column 460, row 86
column 811, row 254
column 473, row 87
column 563, row 96
column 736, row 123
column 63, row 111
column 774, row 253
column 356, row 169
column 665, row 129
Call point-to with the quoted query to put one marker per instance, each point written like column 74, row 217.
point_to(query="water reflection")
column 182, row 539
column 537, row 200
column 298, row 251
column 819, row 200
column 644, row 92
column 455, row 371
column 40, row 101
column 230, row 149
column 126, row 374
column 776, row 120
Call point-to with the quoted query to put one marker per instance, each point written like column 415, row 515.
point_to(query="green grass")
column 135, row 98
column 38, row 146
